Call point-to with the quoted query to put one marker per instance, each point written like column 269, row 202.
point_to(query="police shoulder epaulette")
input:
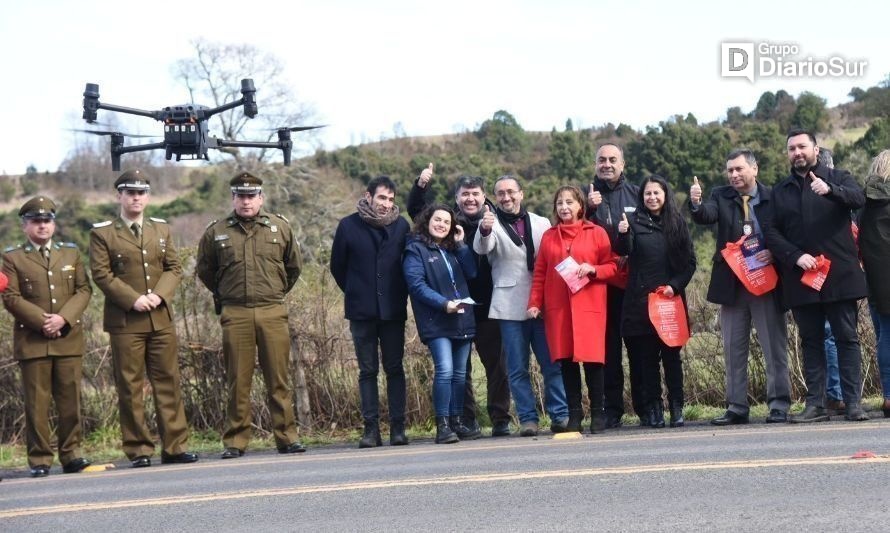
column 161, row 220
column 68, row 245
column 11, row 248
column 212, row 222
column 102, row 224
column 282, row 217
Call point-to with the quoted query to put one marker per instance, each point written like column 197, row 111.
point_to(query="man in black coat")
column 366, row 262
column 608, row 198
column 469, row 195
column 811, row 217
column 741, row 208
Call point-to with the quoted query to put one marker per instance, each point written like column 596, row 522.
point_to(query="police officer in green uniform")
column 249, row 261
column 135, row 264
column 47, row 293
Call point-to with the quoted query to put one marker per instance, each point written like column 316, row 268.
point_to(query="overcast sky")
column 433, row 67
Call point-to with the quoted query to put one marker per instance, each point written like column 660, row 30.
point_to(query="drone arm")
column 248, row 100
column 118, row 148
column 157, row 115
column 283, row 144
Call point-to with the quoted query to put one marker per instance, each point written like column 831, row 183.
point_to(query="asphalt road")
column 743, row 478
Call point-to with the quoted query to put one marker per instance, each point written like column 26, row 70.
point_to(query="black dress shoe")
column 141, row 462
column 777, row 416
column 855, row 413
column 811, row 413
column 75, row 465
column 294, row 447
column 232, row 453
column 172, row 458
column 501, row 428
column 613, row 420
column 730, row 418
column 39, row 471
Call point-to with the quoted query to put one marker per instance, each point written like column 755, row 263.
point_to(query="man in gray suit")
column 741, row 208
column 510, row 237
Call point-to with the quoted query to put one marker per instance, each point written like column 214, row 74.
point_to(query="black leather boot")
column 656, row 415
column 444, row 434
column 371, row 436
column 464, row 430
column 677, row 414
column 597, row 421
column 575, row 418
column 397, row 435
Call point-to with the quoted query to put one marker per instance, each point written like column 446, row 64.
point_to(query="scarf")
column 370, row 216
column 507, row 220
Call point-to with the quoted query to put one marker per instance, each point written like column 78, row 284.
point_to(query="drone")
column 185, row 127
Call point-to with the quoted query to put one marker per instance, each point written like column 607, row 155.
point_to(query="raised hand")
column 594, row 198
column 458, row 233
column 624, row 225
column 425, row 177
column 818, row 185
column 695, row 192
column 487, row 221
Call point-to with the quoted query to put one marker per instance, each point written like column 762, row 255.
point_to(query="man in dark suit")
column 741, row 208
column 366, row 262
column 134, row 262
column 47, row 294
column 811, row 218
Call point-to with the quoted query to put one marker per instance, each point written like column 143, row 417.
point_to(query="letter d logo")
column 737, row 60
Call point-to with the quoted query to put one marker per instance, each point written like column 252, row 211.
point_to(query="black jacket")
column 648, row 268
column 366, row 263
column 622, row 199
column 481, row 286
column 724, row 208
column 804, row 222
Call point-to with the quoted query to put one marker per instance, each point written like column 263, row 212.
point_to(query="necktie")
column 745, row 198
column 44, row 251
column 136, row 231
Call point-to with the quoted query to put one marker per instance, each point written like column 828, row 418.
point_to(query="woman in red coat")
column 569, row 289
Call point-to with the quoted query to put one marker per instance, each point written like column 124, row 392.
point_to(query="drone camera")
column 248, row 91
column 90, row 102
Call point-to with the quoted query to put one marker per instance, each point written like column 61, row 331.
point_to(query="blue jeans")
column 516, row 337
column 832, row 377
column 883, row 335
column 450, row 360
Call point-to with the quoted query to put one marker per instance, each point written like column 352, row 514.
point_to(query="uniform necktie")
column 44, row 251
column 745, row 198
column 136, row 231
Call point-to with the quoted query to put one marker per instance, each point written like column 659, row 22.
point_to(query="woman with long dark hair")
column 437, row 265
column 659, row 248
column 568, row 288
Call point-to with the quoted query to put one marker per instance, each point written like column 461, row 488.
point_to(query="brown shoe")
column 835, row 407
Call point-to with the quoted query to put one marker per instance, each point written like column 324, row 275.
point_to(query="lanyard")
column 450, row 272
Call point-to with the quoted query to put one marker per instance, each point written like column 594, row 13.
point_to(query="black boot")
column 656, row 415
column 397, row 435
column 464, row 430
column 371, row 436
column 444, row 435
column 597, row 421
column 575, row 418
column 677, row 414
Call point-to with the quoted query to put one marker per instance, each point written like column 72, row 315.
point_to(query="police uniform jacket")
column 249, row 267
column 61, row 288
column 125, row 267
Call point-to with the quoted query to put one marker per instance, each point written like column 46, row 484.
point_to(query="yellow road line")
column 445, row 480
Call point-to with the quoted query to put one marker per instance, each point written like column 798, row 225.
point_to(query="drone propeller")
column 297, row 128
column 102, row 132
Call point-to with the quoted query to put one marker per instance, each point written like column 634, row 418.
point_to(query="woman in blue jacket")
column 437, row 265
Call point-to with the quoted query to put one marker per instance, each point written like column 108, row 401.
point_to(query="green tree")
column 502, row 134
column 768, row 145
column 876, row 138
column 766, row 106
column 810, row 113
column 571, row 153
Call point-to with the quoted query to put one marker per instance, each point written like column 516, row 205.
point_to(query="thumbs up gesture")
column 425, row 177
column 624, row 225
column 487, row 221
column 818, row 185
column 695, row 192
column 594, row 198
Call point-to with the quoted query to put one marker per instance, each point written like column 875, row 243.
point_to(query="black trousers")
column 571, row 378
column 654, row 354
column 613, row 381
column 488, row 345
column 843, row 318
column 390, row 335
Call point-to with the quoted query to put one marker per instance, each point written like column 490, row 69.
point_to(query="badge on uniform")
column 163, row 242
column 67, row 268
column 747, row 228
column 221, row 237
column 274, row 228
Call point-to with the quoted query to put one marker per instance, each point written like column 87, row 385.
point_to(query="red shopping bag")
column 757, row 281
column 816, row 277
column 668, row 316
column 4, row 282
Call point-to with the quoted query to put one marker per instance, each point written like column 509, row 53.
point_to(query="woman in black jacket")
column 659, row 249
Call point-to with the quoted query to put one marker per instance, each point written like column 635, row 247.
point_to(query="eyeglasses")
column 508, row 192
